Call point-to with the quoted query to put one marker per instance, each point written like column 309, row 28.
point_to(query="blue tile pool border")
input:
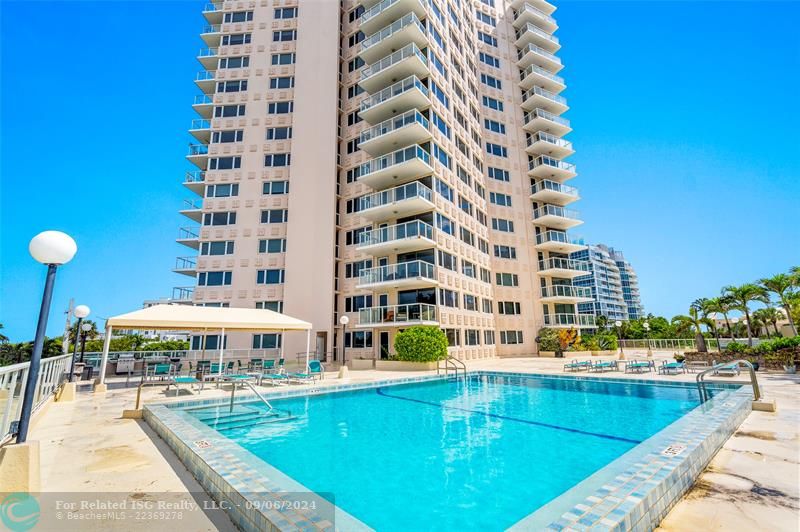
column 634, row 492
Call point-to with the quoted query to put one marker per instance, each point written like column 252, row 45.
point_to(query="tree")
column 783, row 286
column 3, row 337
column 421, row 343
column 769, row 315
column 693, row 321
column 722, row 305
column 708, row 307
column 742, row 296
column 75, row 334
column 602, row 322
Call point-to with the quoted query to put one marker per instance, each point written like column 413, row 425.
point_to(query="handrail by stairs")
column 456, row 363
column 701, row 383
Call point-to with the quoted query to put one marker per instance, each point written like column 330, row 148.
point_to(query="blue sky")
column 685, row 122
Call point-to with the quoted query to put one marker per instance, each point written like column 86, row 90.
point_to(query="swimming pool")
column 482, row 452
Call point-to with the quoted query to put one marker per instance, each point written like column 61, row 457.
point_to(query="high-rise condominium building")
column 613, row 283
column 399, row 162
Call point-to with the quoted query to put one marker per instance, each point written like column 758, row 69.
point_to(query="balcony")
column 195, row 181
column 539, row 98
column 566, row 294
column 543, row 120
column 396, row 168
column 182, row 294
column 212, row 34
column 545, row 167
column 404, row 95
column 405, row 275
column 536, row 75
column 213, row 12
column 555, row 216
column 563, row 268
column 205, row 80
column 408, row 61
column 198, row 155
column 399, row 202
column 527, row 14
column 541, row 5
column 415, row 235
column 203, row 105
column 393, row 37
column 408, row 128
column 531, row 54
column 546, row 191
column 542, row 143
column 530, row 34
column 193, row 209
column 397, row 316
column 186, row 266
column 201, row 129
column 189, row 236
column 209, row 58
column 559, row 242
column 384, row 13
column 569, row 321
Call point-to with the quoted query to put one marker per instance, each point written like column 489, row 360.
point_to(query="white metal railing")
column 197, row 176
column 185, row 356
column 392, row 159
column 393, row 195
column 560, row 290
column 376, row 10
column 538, row 91
column 391, row 91
column 535, row 69
column 543, row 136
column 185, row 263
column 564, row 264
column 414, row 312
column 393, row 124
column 13, row 380
column 394, row 27
column 538, row 12
column 573, row 320
column 544, row 160
column 559, row 237
column 537, row 50
column 555, row 210
column 381, row 235
column 400, row 271
column 188, row 233
column 409, row 50
column 546, row 115
column 546, row 184
column 530, row 28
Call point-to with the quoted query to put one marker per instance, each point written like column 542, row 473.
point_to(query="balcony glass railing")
column 544, row 160
column 546, row 115
column 192, row 204
column 544, row 94
column 213, row 6
column 392, row 195
column 559, row 290
column 393, row 124
column 212, row 28
column 564, row 264
column 536, row 31
column 546, row 184
column 574, row 320
column 527, row 8
column 185, row 263
column 543, row 136
column 537, row 50
column 208, row 52
column 376, row 10
column 188, row 233
column 394, row 27
column 183, row 293
column 534, row 69
column 204, row 75
column 382, row 235
column 391, row 91
column 202, row 99
column 559, row 237
column 198, row 176
column 409, row 50
column 392, row 159
column 397, row 314
column 398, row 272
column 555, row 210
column 200, row 123
column 198, row 149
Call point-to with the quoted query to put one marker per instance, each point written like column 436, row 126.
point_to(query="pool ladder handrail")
column 263, row 399
column 456, row 363
column 701, row 383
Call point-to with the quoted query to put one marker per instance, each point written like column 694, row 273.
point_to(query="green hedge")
column 422, row 343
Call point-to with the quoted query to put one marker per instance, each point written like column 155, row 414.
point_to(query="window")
column 496, row 149
column 491, row 103
column 499, row 224
column 214, row 278
column 438, row 64
column 280, row 108
column 353, row 236
column 354, row 269
column 358, row 339
column 487, row 306
column 443, row 189
column 284, row 82
column 489, row 60
column 224, row 163
column 234, row 62
column 497, row 198
column 505, row 252
column 352, row 145
column 272, row 245
column 355, row 38
column 488, row 39
column 353, row 118
column 274, row 216
column 279, row 133
column 270, row 276
column 228, row 111
column 238, row 85
column 486, row 19
column 238, row 16
column 499, row 174
column 464, row 204
column 510, row 337
column 441, row 124
column 486, row 275
column 355, row 13
column 483, row 245
column 467, row 237
column 493, row 125
column 470, row 302
column 222, row 247
column 471, row 337
column 468, row 269
column 277, row 159
column 284, row 35
column 219, row 218
column 448, row 261
column 510, row 308
column 283, row 59
column 286, row 12
column 354, row 90
column 491, row 81
column 448, row 298
column 453, row 337
column 267, row 341
column 507, row 279
column 222, row 191
column 441, row 155
column 445, row 224
column 275, row 306
column 488, row 337
column 232, row 135
column 439, row 93
column 275, row 187
column 356, row 303
column 235, row 39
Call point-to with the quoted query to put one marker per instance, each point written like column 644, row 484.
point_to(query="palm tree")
column 782, row 285
column 742, row 296
column 709, row 306
column 769, row 315
column 694, row 320
column 725, row 306
column 3, row 337
column 602, row 322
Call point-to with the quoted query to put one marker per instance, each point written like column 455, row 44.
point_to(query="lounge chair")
column 673, row 368
column 157, row 372
column 578, row 366
column 604, row 365
column 639, row 366
column 255, row 365
column 178, row 380
column 268, row 366
column 728, row 370
column 314, row 370
column 274, row 378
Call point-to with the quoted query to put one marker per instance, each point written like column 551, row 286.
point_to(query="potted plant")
column 754, row 362
column 417, row 348
column 679, row 357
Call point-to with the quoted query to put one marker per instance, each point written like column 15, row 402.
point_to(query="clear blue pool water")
column 452, row 455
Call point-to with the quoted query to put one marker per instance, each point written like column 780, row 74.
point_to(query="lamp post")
column 81, row 311
column 52, row 248
column 618, row 325
column 344, row 320
column 85, row 328
column 646, row 326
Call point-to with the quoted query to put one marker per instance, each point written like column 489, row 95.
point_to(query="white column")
column 104, row 360
column 221, row 349
column 283, row 342
column 308, row 347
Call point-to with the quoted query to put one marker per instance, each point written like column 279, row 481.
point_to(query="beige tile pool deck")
column 753, row 483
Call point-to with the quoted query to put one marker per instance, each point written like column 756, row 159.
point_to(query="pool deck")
column 86, row 446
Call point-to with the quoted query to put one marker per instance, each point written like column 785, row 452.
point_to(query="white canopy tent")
column 191, row 318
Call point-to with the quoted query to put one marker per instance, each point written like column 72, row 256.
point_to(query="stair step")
column 272, row 419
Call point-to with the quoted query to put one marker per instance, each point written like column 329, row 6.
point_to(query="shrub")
column 592, row 343
column 422, row 343
column 548, row 340
column 607, row 342
column 770, row 346
column 735, row 348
